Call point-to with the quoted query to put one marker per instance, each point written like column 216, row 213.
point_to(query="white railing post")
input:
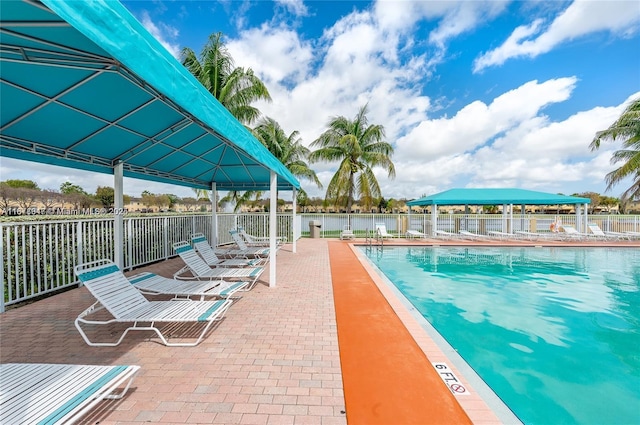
column 79, row 242
column 2, row 279
column 165, row 237
column 272, row 228
column 293, row 220
column 129, row 243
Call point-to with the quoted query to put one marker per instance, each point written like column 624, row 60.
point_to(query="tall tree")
column 359, row 146
column 627, row 129
column 235, row 88
column 105, row 195
column 22, row 184
column 68, row 188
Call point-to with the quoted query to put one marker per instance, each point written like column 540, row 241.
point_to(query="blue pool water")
column 555, row 332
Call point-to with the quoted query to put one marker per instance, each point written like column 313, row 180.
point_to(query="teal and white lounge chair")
column 36, row 393
column 126, row 304
column 263, row 241
column 199, row 270
column 201, row 245
column 247, row 250
column 152, row 284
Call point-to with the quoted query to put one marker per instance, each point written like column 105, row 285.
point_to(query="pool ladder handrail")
column 379, row 240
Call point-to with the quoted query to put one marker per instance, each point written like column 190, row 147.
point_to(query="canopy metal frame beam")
column 99, row 64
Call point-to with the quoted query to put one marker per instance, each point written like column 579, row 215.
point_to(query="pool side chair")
column 201, row 244
column 263, row 241
column 199, row 270
column 248, row 250
column 415, row 234
column 152, row 284
column 445, row 235
column 601, row 234
column 571, row 233
column 381, row 231
column 501, row 235
column 465, row 234
column 534, row 236
column 346, row 233
column 40, row 393
column 126, row 304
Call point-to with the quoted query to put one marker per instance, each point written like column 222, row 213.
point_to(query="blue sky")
column 471, row 93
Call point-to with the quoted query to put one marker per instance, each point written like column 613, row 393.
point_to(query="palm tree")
column 627, row 129
column 288, row 149
column 235, row 88
column 359, row 147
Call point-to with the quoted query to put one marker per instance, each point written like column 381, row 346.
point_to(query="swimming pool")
column 555, row 332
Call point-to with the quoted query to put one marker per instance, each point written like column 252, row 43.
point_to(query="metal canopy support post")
column 214, row 214
column 293, row 220
column 434, row 219
column 505, row 227
column 272, row 229
column 510, row 227
column 118, row 212
column 586, row 217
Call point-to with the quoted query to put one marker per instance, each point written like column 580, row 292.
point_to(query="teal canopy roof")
column 496, row 197
column 84, row 85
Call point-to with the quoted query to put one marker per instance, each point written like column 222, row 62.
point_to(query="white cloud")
column 296, row 7
column 619, row 17
column 276, row 53
column 163, row 33
column 477, row 123
column 509, row 143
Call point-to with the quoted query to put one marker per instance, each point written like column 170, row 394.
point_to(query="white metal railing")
column 481, row 224
column 38, row 257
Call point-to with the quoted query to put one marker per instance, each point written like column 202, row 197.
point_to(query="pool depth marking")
column 450, row 379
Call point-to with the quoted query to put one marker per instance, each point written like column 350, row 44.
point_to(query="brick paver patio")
column 272, row 360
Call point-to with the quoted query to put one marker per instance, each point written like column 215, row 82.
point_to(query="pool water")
column 555, row 332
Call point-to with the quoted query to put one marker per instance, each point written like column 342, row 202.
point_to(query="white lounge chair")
column 201, row 245
column 500, row 235
column 571, row 232
column 468, row 235
column 445, row 235
column 347, row 233
column 201, row 271
column 126, row 304
column 245, row 250
column 152, row 284
column 252, row 240
column 534, row 236
column 599, row 233
column 413, row 234
column 37, row 393
column 381, row 231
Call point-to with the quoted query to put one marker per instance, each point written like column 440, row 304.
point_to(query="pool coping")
column 482, row 405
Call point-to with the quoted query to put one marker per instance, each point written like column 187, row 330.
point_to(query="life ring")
column 552, row 226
